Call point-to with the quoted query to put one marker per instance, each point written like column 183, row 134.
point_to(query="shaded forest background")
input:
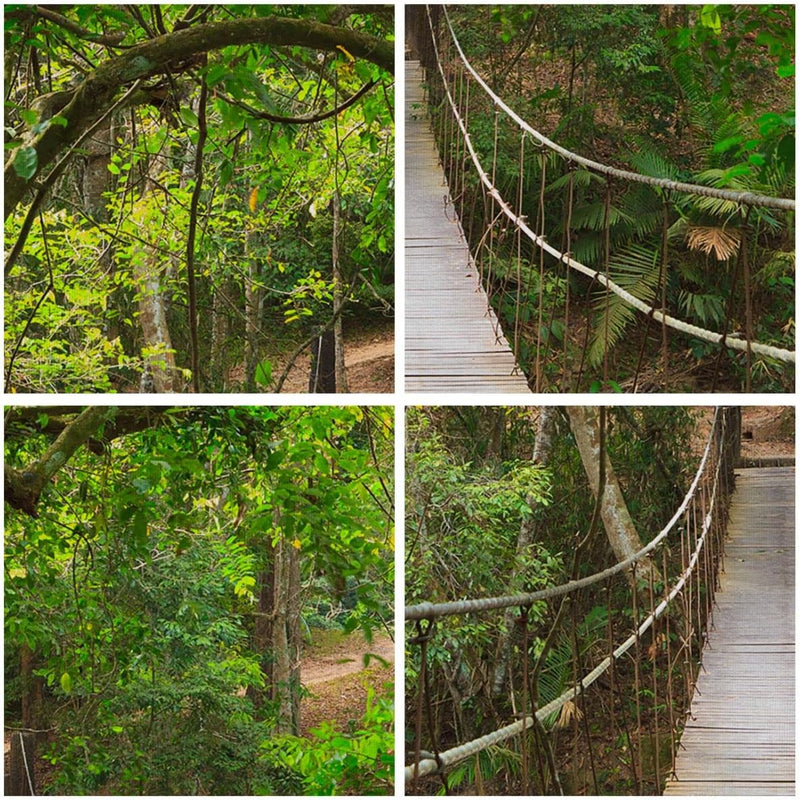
column 168, row 570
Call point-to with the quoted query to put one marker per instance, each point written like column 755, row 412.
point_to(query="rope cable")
column 742, row 198
column 724, row 339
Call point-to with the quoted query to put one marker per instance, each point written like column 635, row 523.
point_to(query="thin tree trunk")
column 148, row 273
column 620, row 530
column 542, row 449
column 338, row 300
column 254, row 303
column 285, row 638
column 21, row 777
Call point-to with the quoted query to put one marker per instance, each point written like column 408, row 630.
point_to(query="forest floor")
column 333, row 672
column 368, row 355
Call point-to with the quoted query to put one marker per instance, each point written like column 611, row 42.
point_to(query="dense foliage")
column 135, row 596
column 699, row 95
column 229, row 188
column 471, row 486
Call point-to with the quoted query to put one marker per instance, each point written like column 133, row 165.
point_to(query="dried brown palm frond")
column 568, row 711
column 723, row 242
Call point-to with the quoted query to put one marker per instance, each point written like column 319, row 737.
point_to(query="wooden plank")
column 741, row 737
column 453, row 340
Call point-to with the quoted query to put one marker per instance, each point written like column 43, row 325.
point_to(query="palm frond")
column 635, row 268
column 649, row 162
column 580, row 177
column 593, row 216
column 722, row 242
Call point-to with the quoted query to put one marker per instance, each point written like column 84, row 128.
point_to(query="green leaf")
column 263, row 374
column 140, row 527
column 66, row 683
column 785, row 71
column 26, row 162
column 188, row 116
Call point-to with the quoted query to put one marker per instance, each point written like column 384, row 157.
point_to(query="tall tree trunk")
column 322, row 376
column 338, row 299
column 277, row 632
column 262, row 628
column 149, row 272
column 542, row 449
column 620, row 530
column 285, row 643
column 254, row 305
column 222, row 301
column 21, row 777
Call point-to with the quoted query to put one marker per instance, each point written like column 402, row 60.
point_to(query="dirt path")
column 369, row 359
column 337, row 681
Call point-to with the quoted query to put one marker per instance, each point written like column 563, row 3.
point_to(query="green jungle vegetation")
column 699, row 94
column 498, row 503
column 165, row 570
column 194, row 194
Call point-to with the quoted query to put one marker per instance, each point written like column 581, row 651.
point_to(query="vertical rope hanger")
column 606, row 270
column 748, row 305
column 567, row 254
column 541, row 226
column 518, row 238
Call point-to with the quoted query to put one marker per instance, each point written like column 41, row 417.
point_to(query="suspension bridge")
column 696, row 697
column 560, row 338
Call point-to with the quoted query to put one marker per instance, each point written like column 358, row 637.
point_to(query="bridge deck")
column 741, row 738
column 453, row 340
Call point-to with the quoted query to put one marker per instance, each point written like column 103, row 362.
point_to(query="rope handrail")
column 742, row 198
column 428, row 766
column 724, row 339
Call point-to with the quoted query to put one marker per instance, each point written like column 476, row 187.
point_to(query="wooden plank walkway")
column 453, row 340
column 741, row 740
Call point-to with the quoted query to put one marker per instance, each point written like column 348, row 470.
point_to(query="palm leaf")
column 723, row 243
column 593, row 216
column 635, row 268
column 580, row 177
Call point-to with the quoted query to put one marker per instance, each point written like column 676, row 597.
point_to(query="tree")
column 181, row 165
column 159, row 578
column 620, row 529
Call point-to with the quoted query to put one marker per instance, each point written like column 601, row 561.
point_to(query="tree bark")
column 254, row 306
column 285, row 643
column 338, row 300
column 149, row 274
column 542, row 449
column 21, row 777
column 620, row 530
column 322, row 377
column 169, row 53
column 23, row 487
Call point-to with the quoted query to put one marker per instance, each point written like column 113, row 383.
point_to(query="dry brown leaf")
column 568, row 711
column 724, row 243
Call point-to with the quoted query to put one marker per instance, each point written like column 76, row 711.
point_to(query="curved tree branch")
column 307, row 120
column 23, row 487
column 157, row 56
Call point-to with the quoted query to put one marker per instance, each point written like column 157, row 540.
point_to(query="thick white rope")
column 727, row 340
